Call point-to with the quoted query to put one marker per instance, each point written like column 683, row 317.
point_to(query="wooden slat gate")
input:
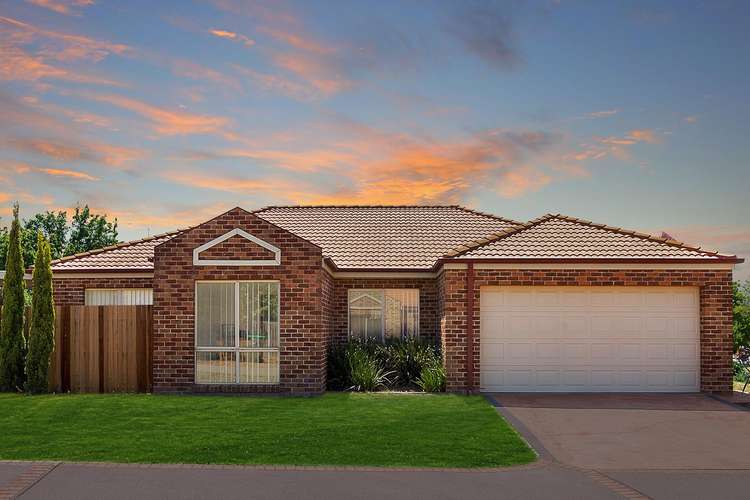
column 102, row 349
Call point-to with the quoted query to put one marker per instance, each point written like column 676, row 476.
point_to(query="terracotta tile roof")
column 130, row 256
column 556, row 236
column 385, row 237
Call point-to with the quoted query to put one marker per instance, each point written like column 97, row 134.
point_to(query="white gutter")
column 26, row 276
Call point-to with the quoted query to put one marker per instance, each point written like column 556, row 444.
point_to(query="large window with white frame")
column 237, row 332
column 384, row 313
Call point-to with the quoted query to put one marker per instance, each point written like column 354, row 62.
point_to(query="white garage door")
column 589, row 339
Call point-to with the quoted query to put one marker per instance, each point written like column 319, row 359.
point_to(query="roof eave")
column 601, row 260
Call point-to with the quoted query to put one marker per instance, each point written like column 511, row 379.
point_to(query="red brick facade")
column 72, row 291
column 715, row 312
column 234, row 246
column 314, row 305
column 302, row 338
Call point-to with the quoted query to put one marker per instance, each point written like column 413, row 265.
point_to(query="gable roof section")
column 130, row 256
column 385, row 237
column 559, row 237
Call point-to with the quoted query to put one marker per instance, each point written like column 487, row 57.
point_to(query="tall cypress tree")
column 42, row 335
column 12, row 343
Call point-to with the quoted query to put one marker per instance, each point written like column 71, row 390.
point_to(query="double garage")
column 590, row 339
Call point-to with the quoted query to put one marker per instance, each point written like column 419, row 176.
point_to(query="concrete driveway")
column 633, row 431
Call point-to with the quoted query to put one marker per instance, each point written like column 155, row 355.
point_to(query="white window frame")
column 236, row 349
column 276, row 261
column 349, row 292
column 143, row 290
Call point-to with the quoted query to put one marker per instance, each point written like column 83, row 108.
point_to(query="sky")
column 165, row 114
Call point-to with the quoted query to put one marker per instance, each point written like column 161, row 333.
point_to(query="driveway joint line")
column 27, row 478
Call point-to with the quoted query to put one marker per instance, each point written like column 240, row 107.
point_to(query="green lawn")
column 334, row 429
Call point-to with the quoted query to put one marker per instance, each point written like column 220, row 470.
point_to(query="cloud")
column 644, row 135
column 17, row 64
column 58, row 45
column 164, row 121
column 603, row 114
column 368, row 165
column 194, row 71
column 231, row 35
column 278, row 84
column 614, row 146
column 76, row 150
column 62, row 6
column 61, row 172
column 487, row 32
column 219, row 183
column 691, row 119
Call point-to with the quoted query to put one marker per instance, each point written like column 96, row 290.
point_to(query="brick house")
column 250, row 301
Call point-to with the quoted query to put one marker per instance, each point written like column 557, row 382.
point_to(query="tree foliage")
column 12, row 342
column 42, row 334
column 83, row 232
column 741, row 303
column 741, row 329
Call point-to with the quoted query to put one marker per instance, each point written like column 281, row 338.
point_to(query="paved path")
column 539, row 481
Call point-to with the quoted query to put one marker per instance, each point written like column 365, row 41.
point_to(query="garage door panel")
column 589, row 339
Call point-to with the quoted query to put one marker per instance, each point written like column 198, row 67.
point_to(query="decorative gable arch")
column 276, row 261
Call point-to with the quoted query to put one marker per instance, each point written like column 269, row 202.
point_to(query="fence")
column 102, row 349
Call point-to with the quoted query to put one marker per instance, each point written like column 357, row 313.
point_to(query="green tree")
column 3, row 246
column 86, row 231
column 12, row 342
column 89, row 231
column 54, row 227
column 42, row 334
column 741, row 327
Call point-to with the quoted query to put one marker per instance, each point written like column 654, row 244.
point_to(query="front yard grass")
column 334, row 429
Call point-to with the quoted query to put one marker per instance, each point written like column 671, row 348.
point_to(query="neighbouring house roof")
column 558, row 237
column 385, row 237
column 130, row 256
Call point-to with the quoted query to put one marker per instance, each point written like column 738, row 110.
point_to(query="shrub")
column 407, row 358
column 41, row 340
column 366, row 364
column 432, row 378
column 338, row 378
column 365, row 371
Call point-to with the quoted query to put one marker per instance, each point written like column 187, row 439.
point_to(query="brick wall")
column 715, row 312
column 72, row 291
column 237, row 245
column 427, row 303
column 302, row 355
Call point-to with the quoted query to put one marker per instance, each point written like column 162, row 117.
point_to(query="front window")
column 382, row 314
column 237, row 332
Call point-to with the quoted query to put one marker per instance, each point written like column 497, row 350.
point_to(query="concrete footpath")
column 98, row 481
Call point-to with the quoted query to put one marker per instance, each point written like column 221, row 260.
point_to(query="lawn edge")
column 356, row 468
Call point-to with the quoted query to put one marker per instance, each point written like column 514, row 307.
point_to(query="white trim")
column 236, row 349
column 197, row 261
column 382, row 275
column 26, row 276
column 607, row 265
column 73, row 275
column 454, row 266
